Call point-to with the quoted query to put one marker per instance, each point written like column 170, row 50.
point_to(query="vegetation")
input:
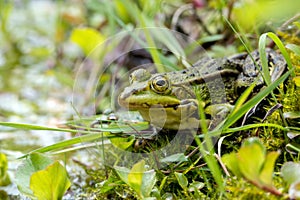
column 63, row 65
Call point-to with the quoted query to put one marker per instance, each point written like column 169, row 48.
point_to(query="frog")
column 171, row 100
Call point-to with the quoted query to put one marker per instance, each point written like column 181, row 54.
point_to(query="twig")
column 272, row 190
column 222, row 164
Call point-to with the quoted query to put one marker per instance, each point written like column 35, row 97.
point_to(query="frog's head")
column 158, row 100
column 147, row 90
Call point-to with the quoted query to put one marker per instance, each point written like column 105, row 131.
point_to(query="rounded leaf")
column 290, row 172
column 50, row 183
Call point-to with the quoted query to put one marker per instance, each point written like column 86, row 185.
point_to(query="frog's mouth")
column 148, row 100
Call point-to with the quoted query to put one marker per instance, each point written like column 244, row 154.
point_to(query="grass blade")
column 294, row 48
column 35, row 127
column 243, row 98
column 257, row 98
column 78, row 129
column 67, row 143
column 264, row 59
column 279, row 44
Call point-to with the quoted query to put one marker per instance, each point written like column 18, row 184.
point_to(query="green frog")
column 171, row 100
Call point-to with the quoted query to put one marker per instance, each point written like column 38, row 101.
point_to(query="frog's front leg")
column 189, row 114
column 188, row 107
column 218, row 113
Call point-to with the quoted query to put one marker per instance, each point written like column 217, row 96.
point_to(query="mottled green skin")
column 169, row 100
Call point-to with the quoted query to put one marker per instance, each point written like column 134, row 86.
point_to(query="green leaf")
column 179, row 157
column 34, row 162
column 231, row 161
column 135, row 177
column 168, row 38
column 266, row 173
column 294, row 190
column 111, row 183
column 123, row 173
column 123, row 142
column 292, row 115
column 140, row 180
column 251, row 15
column 251, row 162
column 122, row 10
column 182, row 180
column 4, row 178
column 195, row 186
column 297, row 81
column 294, row 48
column 88, row 39
column 149, row 180
column 50, row 183
column 254, row 141
column 210, row 38
column 150, row 198
column 297, row 24
column 251, row 157
column 290, row 172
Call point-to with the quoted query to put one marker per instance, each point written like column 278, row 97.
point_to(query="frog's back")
column 205, row 70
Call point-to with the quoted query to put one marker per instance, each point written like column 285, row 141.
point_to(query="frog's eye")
column 160, row 84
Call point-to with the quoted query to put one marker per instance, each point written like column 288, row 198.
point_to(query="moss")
column 239, row 189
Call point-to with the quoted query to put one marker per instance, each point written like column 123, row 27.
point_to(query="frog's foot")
column 218, row 113
column 277, row 66
column 189, row 114
column 188, row 105
column 244, row 81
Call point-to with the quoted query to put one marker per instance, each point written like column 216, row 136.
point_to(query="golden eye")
column 160, row 84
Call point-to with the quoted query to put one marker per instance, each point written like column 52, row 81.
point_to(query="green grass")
column 199, row 167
